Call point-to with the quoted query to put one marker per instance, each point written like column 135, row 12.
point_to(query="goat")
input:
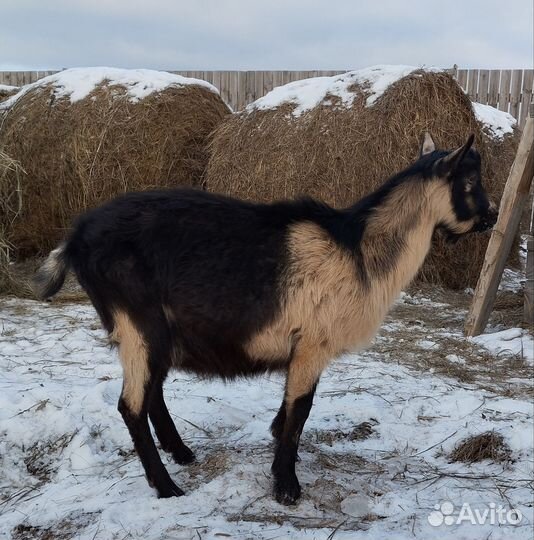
column 215, row 286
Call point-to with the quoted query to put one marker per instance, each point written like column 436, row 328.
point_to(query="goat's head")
column 465, row 206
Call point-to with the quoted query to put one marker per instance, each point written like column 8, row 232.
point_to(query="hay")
column 11, row 174
column 489, row 445
column 338, row 154
column 78, row 154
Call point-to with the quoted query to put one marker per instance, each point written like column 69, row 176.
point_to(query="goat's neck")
column 398, row 237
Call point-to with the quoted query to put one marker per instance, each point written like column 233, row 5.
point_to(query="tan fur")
column 134, row 360
column 304, row 371
column 327, row 308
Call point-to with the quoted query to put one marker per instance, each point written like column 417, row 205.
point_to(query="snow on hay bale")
column 337, row 138
column 84, row 135
column 7, row 91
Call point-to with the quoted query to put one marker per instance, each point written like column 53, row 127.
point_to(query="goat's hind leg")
column 165, row 429
column 140, row 377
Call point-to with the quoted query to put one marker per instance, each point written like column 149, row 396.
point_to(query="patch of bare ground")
column 428, row 336
column 17, row 281
column 362, row 431
column 64, row 529
column 326, row 470
column 41, row 458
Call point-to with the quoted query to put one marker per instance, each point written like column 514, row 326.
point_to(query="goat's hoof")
column 183, row 455
column 287, row 490
column 169, row 489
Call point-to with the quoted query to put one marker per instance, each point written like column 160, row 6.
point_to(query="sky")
column 263, row 35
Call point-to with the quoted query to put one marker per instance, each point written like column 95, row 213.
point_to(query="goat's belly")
column 224, row 361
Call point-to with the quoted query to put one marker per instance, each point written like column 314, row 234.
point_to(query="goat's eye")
column 470, row 183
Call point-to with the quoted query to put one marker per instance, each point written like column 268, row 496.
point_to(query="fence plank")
column 216, row 79
column 526, row 96
column 472, row 84
column 504, row 90
column 483, row 86
column 515, row 92
column 277, row 79
column 286, row 77
column 225, row 88
column 493, row 94
column 268, row 82
column 258, row 85
column 242, row 89
column 462, row 78
column 250, row 88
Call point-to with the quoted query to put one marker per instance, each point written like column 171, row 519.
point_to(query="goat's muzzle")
column 488, row 221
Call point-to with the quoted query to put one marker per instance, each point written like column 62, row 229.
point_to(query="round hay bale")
column 9, row 208
column 85, row 135
column 339, row 138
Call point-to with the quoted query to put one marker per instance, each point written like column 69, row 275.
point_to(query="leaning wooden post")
column 513, row 200
column 529, row 283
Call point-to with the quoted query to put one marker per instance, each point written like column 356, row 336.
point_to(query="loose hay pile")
column 83, row 136
column 489, row 445
column 338, row 138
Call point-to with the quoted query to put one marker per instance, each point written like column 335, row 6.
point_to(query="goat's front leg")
column 277, row 426
column 300, row 389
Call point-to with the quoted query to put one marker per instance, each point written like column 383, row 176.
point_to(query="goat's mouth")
column 450, row 237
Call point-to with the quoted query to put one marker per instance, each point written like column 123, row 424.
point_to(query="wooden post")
column 529, row 284
column 513, row 200
column 528, row 308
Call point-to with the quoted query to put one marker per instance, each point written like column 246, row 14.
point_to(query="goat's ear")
column 428, row 145
column 450, row 163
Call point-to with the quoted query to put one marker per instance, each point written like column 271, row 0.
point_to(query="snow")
column 308, row 93
column 78, row 83
column 7, row 88
column 66, row 459
column 498, row 123
column 512, row 341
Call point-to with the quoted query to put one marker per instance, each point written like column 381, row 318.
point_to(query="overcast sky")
column 267, row 34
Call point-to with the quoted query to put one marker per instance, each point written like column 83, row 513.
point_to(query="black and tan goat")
column 219, row 287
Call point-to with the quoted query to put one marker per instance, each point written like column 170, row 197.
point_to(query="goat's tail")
column 49, row 279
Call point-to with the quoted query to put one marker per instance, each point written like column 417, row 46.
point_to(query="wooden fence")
column 509, row 90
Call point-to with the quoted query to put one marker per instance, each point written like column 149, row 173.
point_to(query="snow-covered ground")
column 374, row 454
column 498, row 123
